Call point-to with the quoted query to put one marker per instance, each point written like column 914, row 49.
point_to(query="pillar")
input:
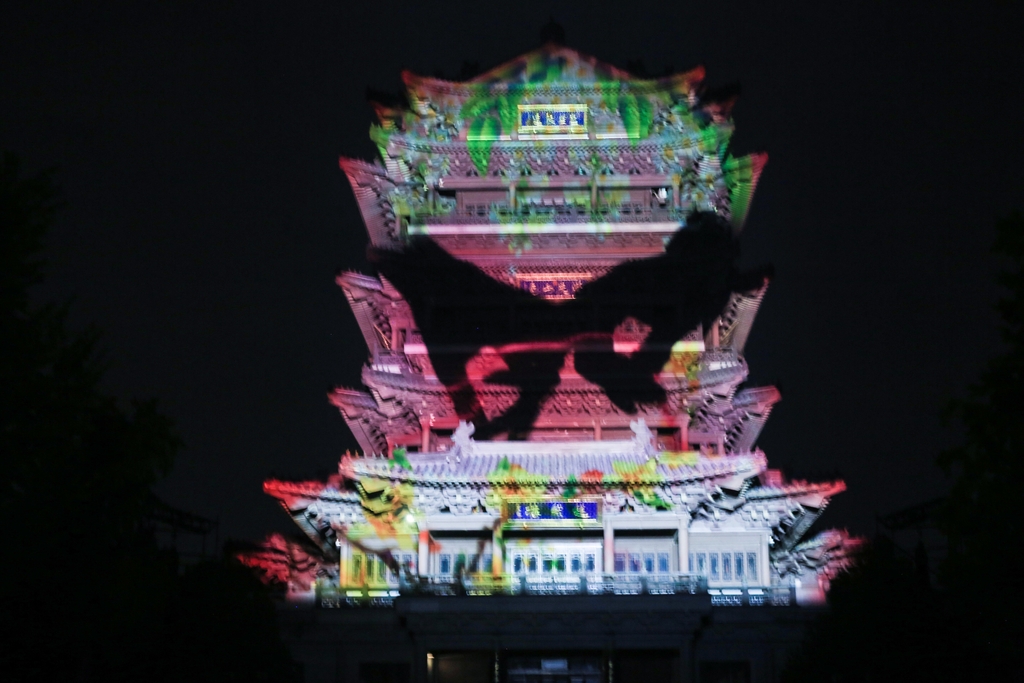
column 764, row 567
column 686, row 669
column 344, row 562
column 497, row 549
column 424, row 434
column 609, row 546
column 423, row 557
column 684, row 544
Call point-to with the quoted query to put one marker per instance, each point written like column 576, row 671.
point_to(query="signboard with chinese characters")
column 554, row 285
column 556, row 512
column 548, row 119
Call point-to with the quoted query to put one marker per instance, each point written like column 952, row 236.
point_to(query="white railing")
column 551, row 585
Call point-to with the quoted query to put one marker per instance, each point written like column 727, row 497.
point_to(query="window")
column 649, row 563
column 727, row 566
column 714, row 566
column 560, row 563
column 533, row 563
column 446, row 565
column 739, row 566
column 620, row 563
column 488, row 563
column 517, row 564
column 575, row 566
column 460, row 563
column 663, row 563
column 591, row 563
column 634, row 563
column 752, row 567
column 689, row 566
column 549, row 564
column 702, row 564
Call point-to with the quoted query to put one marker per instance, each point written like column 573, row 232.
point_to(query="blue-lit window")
column 488, row 563
column 446, row 564
column 532, row 563
column 635, row 564
column 620, row 563
column 649, row 563
column 689, row 564
column 517, row 564
column 663, row 563
column 714, row 566
column 702, row 564
column 591, row 563
column 752, row 567
column 727, row 566
column 576, row 566
column 739, row 566
column 549, row 564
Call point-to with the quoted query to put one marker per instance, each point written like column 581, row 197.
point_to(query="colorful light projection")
column 672, row 294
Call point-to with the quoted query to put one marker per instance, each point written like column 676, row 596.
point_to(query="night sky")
column 197, row 143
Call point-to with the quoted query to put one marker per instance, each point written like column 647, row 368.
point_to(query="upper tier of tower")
column 496, row 202
column 551, row 145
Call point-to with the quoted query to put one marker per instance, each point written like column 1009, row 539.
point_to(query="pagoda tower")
column 554, row 400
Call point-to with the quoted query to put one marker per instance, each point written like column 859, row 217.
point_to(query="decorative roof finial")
column 643, row 437
column 552, row 32
column 462, row 439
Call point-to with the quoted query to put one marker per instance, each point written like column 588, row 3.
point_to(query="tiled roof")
column 807, row 493
column 494, row 467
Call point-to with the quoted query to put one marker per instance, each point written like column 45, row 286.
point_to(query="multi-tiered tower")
column 552, row 404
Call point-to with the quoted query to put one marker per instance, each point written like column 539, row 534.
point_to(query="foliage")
column 982, row 516
column 885, row 625
column 85, row 593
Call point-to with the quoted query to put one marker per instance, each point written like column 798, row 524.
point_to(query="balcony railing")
column 558, row 213
column 551, row 585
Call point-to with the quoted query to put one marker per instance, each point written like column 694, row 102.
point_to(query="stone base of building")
column 550, row 639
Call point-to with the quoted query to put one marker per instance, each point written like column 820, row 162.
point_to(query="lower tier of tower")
column 549, row 639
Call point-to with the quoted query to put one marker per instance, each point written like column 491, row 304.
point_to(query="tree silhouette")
column 886, row 622
column 85, row 594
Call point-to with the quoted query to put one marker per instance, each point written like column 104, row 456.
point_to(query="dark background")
column 206, row 217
